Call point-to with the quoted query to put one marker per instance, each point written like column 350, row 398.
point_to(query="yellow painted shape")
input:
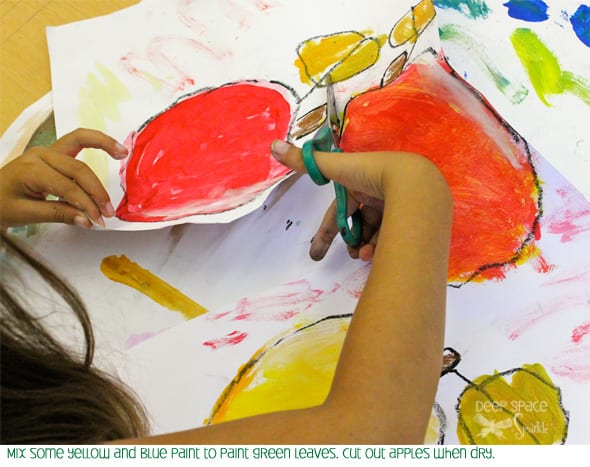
column 526, row 410
column 433, row 430
column 98, row 100
column 121, row 269
column 293, row 372
column 342, row 55
column 411, row 25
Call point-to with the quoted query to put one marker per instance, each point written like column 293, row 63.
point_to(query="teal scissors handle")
column 351, row 234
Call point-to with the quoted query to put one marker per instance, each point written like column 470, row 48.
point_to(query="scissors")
column 327, row 140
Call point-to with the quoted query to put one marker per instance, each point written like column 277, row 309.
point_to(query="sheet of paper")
column 528, row 316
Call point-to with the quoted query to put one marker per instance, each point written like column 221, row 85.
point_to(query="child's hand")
column 368, row 177
column 26, row 181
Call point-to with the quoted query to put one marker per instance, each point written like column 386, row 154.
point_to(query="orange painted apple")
column 432, row 111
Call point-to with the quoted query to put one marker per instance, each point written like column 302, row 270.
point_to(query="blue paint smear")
column 581, row 23
column 527, row 10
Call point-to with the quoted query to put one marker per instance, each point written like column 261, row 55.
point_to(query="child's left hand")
column 26, row 181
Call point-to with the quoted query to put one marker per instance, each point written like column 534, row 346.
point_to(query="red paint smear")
column 574, row 364
column 429, row 111
column 208, row 153
column 233, row 338
column 579, row 332
column 542, row 266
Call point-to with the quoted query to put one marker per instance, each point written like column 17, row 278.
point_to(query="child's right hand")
column 368, row 178
column 26, row 181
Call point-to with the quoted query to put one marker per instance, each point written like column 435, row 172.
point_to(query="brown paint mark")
column 309, row 122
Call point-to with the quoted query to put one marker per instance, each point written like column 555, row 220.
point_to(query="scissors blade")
column 332, row 113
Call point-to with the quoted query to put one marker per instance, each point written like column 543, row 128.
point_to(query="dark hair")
column 50, row 394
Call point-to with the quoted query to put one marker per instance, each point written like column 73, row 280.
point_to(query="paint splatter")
column 526, row 410
column 432, row 111
column 121, row 269
column 342, row 55
column 232, row 338
column 580, row 21
column 470, row 8
column 516, row 93
column 527, row 10
column 99, row 99
column 209, row 152
column 544, row 70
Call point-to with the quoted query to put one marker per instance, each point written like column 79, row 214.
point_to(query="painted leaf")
column 431, row 111
column 207, row 153
column 342, row 55
column 526, row 410
column 409, row 27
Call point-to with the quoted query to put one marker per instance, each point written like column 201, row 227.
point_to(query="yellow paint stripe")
column 121, row 269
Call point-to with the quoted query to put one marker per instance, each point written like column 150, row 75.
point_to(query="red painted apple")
column 209, row 152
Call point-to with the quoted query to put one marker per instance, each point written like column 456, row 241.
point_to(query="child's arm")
column 26, row 181
column 387, row 375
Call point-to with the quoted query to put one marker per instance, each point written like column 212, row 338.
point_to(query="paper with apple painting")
column 199, row 90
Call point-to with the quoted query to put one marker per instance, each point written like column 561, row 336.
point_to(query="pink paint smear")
column 573, row 217
column 283, row 304
column 233, row 338
column 543, row 311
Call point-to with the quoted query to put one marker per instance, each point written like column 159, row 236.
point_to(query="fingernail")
column 279, row 147
column 100, row 221
column 82, row 221
column 120, row 151
column 108, row 210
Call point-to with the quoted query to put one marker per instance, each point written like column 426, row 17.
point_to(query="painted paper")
column 517, row 350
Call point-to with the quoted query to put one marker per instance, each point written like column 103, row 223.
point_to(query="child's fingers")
column 325, row 234
column 87, row 189
column 72, row 143
column 41, row 211
column 367, row 251
column 51, row 175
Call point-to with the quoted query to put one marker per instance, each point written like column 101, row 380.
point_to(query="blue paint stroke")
column 527, row 10
column 581, row 23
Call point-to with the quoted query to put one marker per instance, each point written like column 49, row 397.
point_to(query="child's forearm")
column 390, row 364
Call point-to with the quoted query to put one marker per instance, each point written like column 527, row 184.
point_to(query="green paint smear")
column 99, row 100
column 544, row 70
column 470, row 8
column 454, row 33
